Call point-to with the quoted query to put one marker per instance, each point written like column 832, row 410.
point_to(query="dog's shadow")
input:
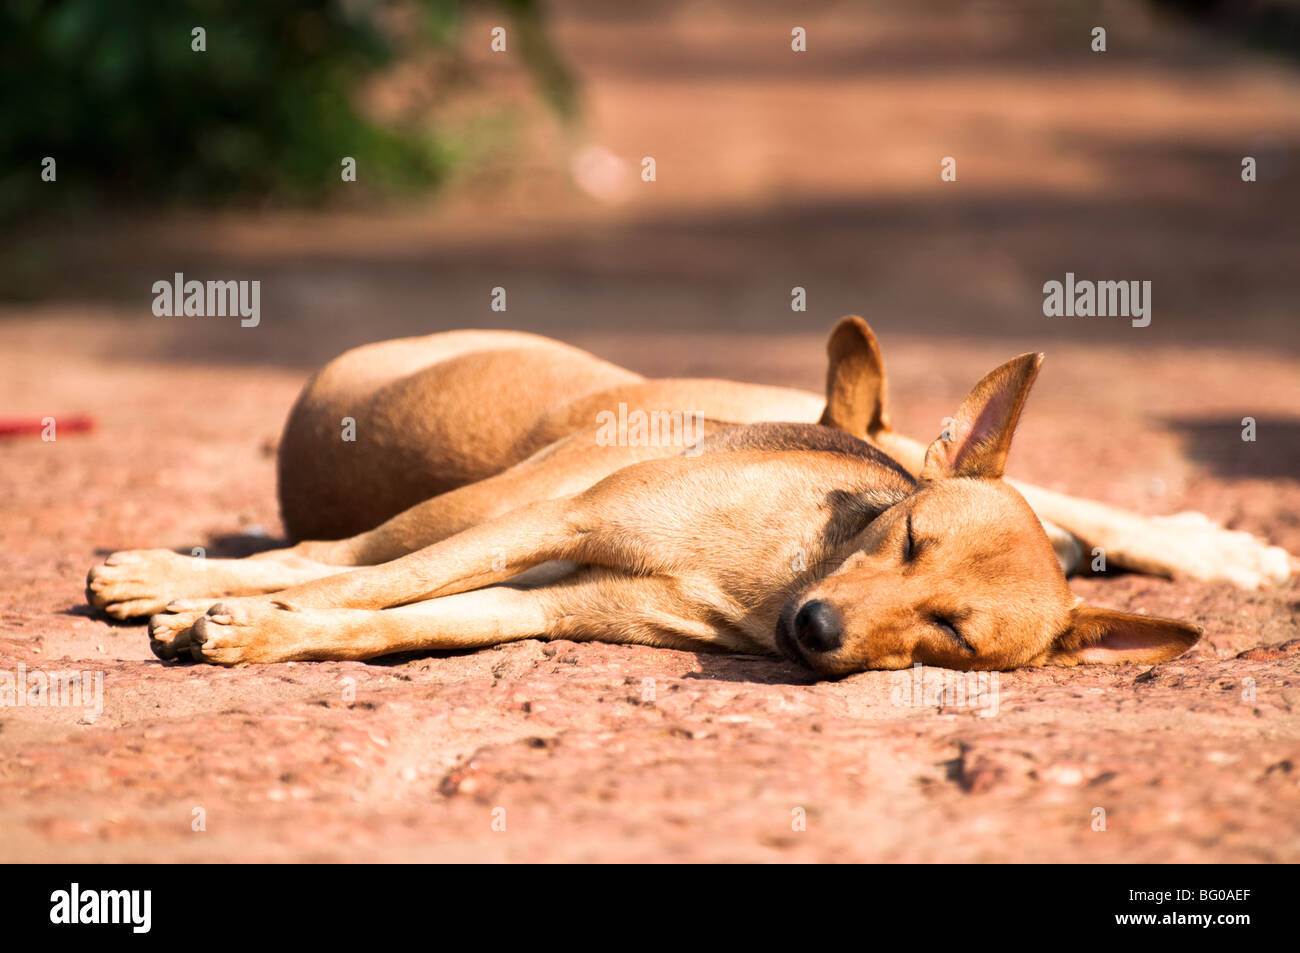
column 223, row 546
column 751, row 669
column 1262, row 447
column 713, row 666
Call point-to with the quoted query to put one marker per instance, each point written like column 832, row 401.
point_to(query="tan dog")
column 478, row 453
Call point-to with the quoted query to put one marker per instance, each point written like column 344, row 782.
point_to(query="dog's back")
column 388, row 425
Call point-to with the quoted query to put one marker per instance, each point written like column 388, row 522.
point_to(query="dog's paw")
column 243, row 631
column 1196, row 547
column 169, row 630
column 138, row 582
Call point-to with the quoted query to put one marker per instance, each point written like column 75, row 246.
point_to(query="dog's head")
column 961, row 573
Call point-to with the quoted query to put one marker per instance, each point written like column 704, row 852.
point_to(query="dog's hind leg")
column 564, row 468
column 1188, row 545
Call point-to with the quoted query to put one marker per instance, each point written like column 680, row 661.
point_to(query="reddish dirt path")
column 768, row 179
column 560, row 736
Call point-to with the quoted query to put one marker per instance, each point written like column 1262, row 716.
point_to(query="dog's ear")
column 976, row 441
column 855, row 380
column 1107, row 637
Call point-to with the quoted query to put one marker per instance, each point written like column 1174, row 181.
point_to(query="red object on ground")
column 26, row 426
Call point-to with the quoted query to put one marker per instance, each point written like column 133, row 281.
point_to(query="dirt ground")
column 821, row 173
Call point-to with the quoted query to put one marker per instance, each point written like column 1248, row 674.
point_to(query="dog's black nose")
column 817, row 627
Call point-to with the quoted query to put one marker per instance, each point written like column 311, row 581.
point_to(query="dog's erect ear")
column 855, row 380
column 976, row 441
column 1107, row 637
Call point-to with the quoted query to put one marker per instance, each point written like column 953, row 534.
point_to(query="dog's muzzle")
column 814, row 628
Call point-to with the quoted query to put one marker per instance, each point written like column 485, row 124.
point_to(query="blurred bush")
column 1271, row 25
column 113, row 90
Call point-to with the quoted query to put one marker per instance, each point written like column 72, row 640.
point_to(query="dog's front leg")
column 140, row 582
column 682, row 586
column 249, row 631
column 479, row 556
column 593, row 604
column 144, row 582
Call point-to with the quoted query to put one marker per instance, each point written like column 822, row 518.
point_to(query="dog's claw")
column 216, row 637
column 170, row 630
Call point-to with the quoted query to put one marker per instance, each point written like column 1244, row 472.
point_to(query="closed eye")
column 913, row 547
column 948, row 629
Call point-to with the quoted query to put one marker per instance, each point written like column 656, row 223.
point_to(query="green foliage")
column 114, row 91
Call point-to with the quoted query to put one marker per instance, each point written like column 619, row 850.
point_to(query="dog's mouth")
column 785, row 642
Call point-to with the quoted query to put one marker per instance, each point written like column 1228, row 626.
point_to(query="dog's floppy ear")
column 1107, row 637
column 976, row 441
column 855, row 380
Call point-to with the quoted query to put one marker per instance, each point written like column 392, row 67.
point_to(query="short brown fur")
column 481, row 504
